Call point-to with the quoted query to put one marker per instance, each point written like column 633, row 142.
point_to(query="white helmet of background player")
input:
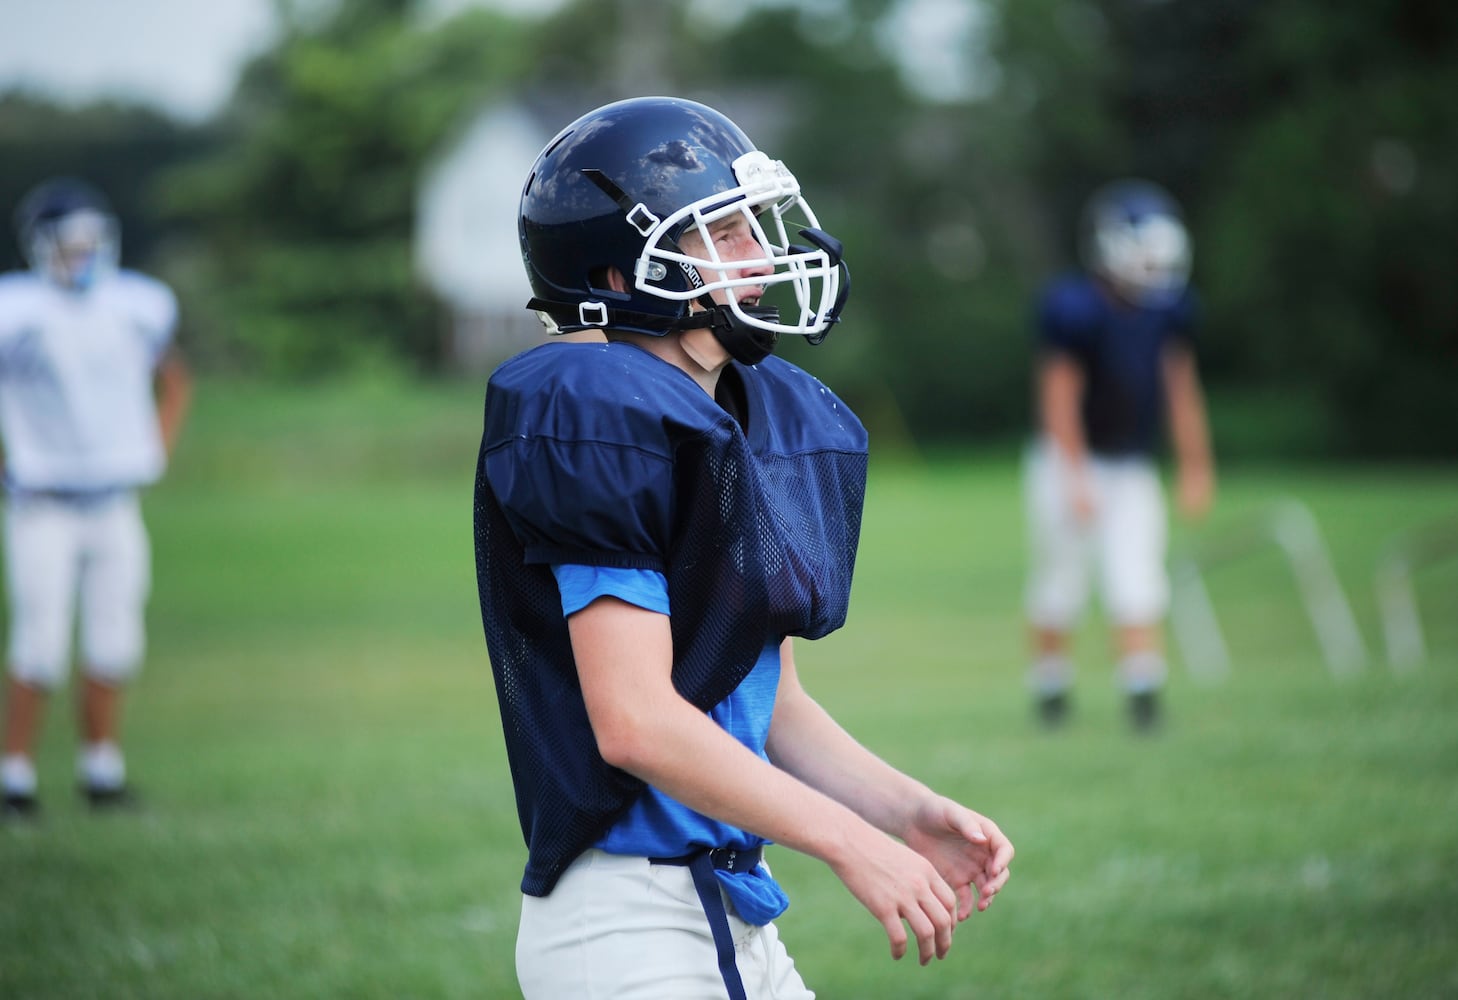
column 1134, row 237
column 68, row 233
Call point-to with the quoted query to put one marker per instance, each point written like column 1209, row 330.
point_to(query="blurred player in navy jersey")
column 1116, row 370
column 656, row 516
column 92, row 397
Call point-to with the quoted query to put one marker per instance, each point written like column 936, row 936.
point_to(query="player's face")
column 733, row 239
column 79, row 242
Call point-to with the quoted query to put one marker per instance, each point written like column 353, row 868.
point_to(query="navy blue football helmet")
column 1134, row 237
column 68, row 232
column 619, row 188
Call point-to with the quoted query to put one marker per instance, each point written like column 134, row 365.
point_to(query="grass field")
column 329, row 813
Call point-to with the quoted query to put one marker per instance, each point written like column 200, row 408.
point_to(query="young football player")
column 83, row 347
column 1116, row 362
column 656, row 517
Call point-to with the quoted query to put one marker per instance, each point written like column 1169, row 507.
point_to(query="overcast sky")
column 184, row 55
column 180, row 55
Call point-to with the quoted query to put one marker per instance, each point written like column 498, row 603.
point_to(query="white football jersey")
column 77, row 410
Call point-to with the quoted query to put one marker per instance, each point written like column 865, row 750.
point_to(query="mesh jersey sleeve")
column 152, row 307
column 18, row 307
column 1068, row 311
column 581, row 452
column 1184, row 317
column 584, row 501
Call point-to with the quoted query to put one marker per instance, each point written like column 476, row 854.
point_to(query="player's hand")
column 902, row 889
column 1195, row 490
column 1081, row 498
column 969, row 850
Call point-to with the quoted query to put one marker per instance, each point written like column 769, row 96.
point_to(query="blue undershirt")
column 657, row 826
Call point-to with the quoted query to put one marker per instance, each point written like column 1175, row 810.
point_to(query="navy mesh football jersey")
column 602, row 454
column 1119, row 348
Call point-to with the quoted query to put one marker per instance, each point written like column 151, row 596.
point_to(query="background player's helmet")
column 620, row 186
column 1134, row 237
column 67, row 232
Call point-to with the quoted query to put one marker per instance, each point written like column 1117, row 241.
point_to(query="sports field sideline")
column 328, row 812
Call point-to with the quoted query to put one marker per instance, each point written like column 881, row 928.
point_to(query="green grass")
column 329, row 813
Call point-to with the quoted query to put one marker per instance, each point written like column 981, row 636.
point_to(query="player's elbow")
column 626, row 741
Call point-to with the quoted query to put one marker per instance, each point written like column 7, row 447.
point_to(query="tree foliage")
column 302, row 220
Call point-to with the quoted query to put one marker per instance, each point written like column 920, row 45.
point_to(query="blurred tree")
column 302, row 219
column 1329, row 236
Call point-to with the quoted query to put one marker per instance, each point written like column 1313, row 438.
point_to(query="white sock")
column 1142, row 673
column 1050, row 674
column 17, row 774
column 101, row 765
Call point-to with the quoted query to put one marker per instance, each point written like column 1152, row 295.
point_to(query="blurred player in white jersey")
column 93, row 393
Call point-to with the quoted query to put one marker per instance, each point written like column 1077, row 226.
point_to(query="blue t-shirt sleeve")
column 581, row 585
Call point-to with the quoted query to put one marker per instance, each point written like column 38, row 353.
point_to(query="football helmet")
column 1134, row 237
column 68, row 232
column 622, row 185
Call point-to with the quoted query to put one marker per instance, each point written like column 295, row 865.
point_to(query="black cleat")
column 1144, row 714
column 119, row 798
column 19, row 806
column 1053, row 709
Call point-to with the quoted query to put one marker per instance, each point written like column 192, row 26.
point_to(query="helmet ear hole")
column 607, row 279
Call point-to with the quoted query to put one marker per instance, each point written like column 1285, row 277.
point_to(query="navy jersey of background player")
column 1119, row 348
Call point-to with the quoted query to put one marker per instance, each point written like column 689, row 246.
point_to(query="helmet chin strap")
column 747, row 344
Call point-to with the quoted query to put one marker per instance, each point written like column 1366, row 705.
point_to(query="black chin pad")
column 749, row 345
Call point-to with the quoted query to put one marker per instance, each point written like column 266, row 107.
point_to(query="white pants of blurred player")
column 619, row 927
column 59, row 550
column 1125, row 541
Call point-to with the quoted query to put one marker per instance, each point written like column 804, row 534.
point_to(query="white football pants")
column 1125, row 539
column 618, row 927
column 57, row 551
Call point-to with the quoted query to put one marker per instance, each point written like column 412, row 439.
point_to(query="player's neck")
column 706, row 357
column 694, row 352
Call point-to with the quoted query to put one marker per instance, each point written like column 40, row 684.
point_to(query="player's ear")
column 609, row 277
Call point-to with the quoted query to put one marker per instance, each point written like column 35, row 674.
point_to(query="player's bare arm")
column 642, row 725
column 1189, row 431
column 1060, row 384
column 174, row 396
column 969, row 850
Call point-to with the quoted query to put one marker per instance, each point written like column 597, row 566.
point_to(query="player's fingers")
column 964, row 902
column 1004, row 855
column 944, row 929
column 1002, row 848
column 946, row 895
column 924, row 928
column 896, row 934
column 988, row 887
